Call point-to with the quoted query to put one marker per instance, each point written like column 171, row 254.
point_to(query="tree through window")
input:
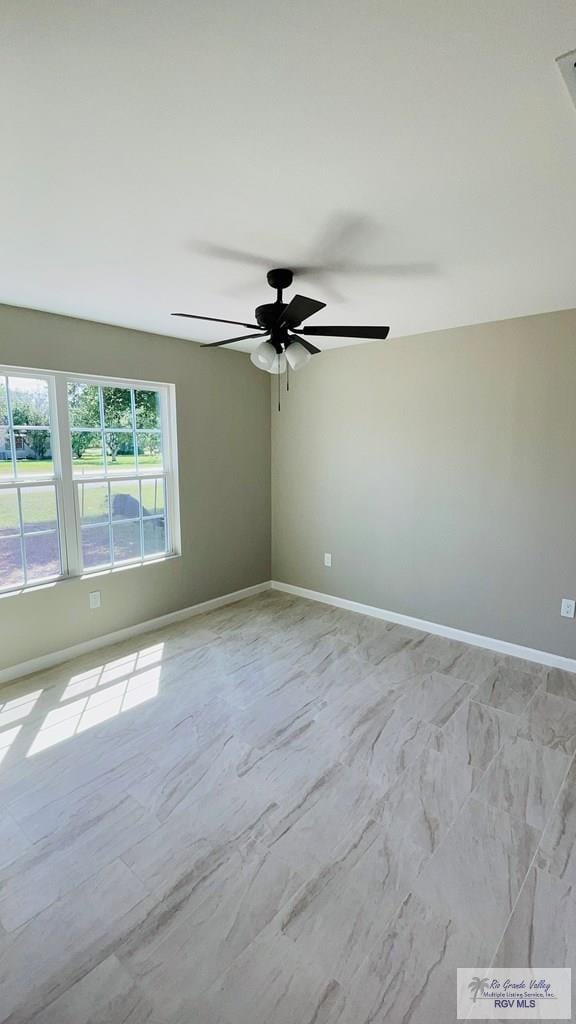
column 87, row 475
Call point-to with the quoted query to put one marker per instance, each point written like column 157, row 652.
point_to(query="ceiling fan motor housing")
column 280, row 278
column 267, row 316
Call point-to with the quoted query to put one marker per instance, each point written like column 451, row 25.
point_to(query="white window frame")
column 66, row 484
column 53, row 479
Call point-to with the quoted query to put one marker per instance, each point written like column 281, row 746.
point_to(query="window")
column 30, row 495
column 88, row 475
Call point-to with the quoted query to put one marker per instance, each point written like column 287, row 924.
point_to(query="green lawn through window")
column 93, row 505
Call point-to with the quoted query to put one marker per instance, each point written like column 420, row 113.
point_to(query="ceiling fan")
column 286, row 345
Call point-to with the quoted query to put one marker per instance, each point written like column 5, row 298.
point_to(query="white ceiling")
column 440, row 132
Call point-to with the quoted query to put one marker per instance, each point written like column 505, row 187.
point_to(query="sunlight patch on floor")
column 18, row 708
column 79, row 715
column 111, row 670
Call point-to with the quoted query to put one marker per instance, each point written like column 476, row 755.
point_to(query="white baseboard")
column 476, row 639
column 47, row 661
column 25, row 668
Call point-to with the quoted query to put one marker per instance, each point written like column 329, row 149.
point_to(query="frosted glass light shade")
column 265, row 357
column 297, row 356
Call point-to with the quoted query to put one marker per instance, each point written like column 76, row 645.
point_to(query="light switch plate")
column 328, row 559
column 95, row 599
column 567, row 608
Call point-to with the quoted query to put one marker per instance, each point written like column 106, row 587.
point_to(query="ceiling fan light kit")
column 265, row 357
column 278, row 324
column 297, row 356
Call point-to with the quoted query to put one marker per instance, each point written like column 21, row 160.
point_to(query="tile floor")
column 281, row 813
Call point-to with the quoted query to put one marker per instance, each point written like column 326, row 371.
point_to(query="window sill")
column 111, row 570
column 85, row 576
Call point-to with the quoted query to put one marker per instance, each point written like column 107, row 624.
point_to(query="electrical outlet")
column 328, row 559
column 567, row 67
column 567, row 608
column 94, row 599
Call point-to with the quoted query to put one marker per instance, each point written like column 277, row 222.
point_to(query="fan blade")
column 372, row 269
column 299, row 309
column 306, row 344
column 215, row 319
column 347, row 332
column 225, row 252
column 228, row 341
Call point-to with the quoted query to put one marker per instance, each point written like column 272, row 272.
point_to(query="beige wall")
column 440, row 471
column 224, row 463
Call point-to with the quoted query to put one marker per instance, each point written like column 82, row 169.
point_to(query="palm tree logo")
column 477, row 986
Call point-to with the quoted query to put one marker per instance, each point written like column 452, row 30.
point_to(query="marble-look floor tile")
column 534, row 668
column 561, row 683
column 58, row 864
column 413, row 660
column 308, row 829
column 428, row 796
column 409, row 976
column 189, row 773
column 318, row 655
column 348, row 708
column 289, row 761
column 269, row 983
column 360, row 630
column 268, row 719
column 209, row 930
column 508, row 689
column 550, row 720
column 291, row 789
column 237, row 810
column 239, row 653
column 36, row 781
column 13, row 841
column 261, row 679
column 382, row 744
column 81, row 809
column 557, row 851
column 476, row 731
column 541, row 929
column 173, row 853
column 378, row 646
column 54, row 950
column 437, row 697
column 470, row 664
column 298, row 628
column 106, row 995
column 524, row 779
column 476, row 873
column 341, row 674
column 340, row 913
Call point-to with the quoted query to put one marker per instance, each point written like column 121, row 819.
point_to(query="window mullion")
column 170, row 460
column 22, row 545
column 70, row 536
column 102, row 429
column 134, row 438
column 110, row 530
column 11, row 435
column 141, row 519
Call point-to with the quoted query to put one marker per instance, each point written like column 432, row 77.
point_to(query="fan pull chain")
column 278, row 375
column 287, row 376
